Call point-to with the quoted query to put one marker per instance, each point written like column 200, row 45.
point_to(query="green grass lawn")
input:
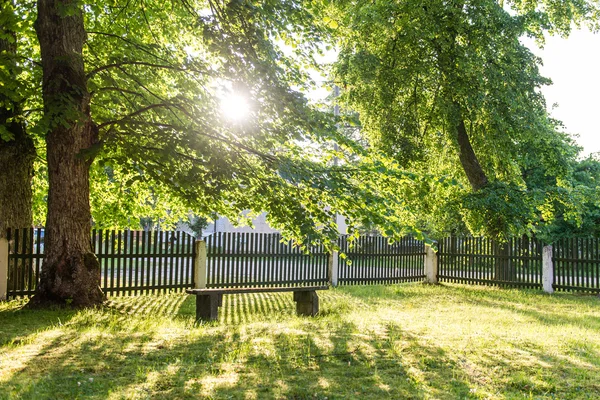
column 406, row 341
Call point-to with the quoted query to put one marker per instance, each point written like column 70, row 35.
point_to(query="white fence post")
column 3, row 268
column 200, row 265
column 333, row 268
column 431, row 265
column 547, row 269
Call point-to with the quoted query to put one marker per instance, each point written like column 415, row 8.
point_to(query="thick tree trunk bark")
column 17, row 151
column 70, row 272
column 16, row 172
column 468, row 159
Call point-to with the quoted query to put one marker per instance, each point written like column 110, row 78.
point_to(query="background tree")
column 17, row 150
column 198, row 224
column 448, row 89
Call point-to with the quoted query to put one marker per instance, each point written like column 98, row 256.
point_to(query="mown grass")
column 409, row 341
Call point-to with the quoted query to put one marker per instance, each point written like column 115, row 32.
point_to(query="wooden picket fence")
column 144, row 261
column 373, row 260
column 518, row 262
column 237, row 259
column 131, row 262
column 577, row 264
column 135, row 262
column 263, row 259
column 26, row 251
column 482, row 261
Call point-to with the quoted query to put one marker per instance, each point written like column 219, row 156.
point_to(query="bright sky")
column 573, row 64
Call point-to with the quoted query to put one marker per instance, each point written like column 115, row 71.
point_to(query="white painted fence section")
column 547, row 269
column 334, row 264
column 200, row 265
column 431, row 265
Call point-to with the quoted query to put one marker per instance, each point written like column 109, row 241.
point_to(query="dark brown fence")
column 134, row 262
column 262, row 259
column 372, row 260
column 131, row 262
column 486, row 262
column 26, row 251
column 577, row 264
column 144, row 261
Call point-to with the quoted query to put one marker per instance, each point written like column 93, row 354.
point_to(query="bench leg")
column 207, row 306
column 307, row 303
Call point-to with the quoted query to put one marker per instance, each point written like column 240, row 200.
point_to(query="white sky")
column 573, row 64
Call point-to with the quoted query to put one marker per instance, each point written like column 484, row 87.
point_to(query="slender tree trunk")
column 466, row 154
column 446, row 51
column 70, row 272
column 17, row 151
column 468, row 158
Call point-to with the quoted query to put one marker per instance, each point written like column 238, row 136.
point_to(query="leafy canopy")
column 156, row 74
column 415, row 71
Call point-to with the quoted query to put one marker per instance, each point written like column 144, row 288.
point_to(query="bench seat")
column 208, row 301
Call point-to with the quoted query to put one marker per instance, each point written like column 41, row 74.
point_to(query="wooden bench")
column 208, row 301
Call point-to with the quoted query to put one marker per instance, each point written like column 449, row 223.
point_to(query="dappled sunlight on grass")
column 403, row 341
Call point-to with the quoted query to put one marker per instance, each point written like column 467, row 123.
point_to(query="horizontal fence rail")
column 576, row 264
column 131, row 262
column 372, row 260
column 237, row 259
column 518, row 262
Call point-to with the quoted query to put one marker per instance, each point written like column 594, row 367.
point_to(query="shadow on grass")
column 548, row 309
column 16, row 324
column 234, row 364
column 299, row 358
column 259, row 349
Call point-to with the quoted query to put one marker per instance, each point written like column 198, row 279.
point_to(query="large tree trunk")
column 16, row 170
column 17, row 151
column 70, row 272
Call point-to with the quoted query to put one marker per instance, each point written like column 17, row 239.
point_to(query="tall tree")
column 431, row 76
column 17, row 151
column 155, row 76
column 70, row 270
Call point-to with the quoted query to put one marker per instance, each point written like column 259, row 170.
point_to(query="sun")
column 235, row 107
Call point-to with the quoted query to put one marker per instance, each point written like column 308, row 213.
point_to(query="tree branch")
column 116, row 89
column 133, row 114
column 146, row 64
